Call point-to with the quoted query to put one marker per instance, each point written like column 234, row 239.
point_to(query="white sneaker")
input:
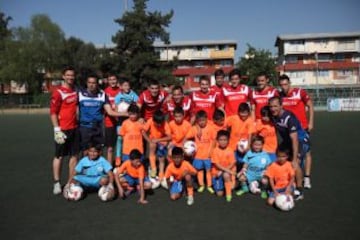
column 164, row 183
column 190, row 200
column 307, row 182
column 57, row 188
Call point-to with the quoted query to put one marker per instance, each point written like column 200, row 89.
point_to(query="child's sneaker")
column 190, row 200
column 240, row 192
column 164, row 183
column 228, row 198
column 152, row 173
column 264, row 195
column 298, row 195
column 57, row 188
column 201, row 189
column 210, row 190
column 307, row 182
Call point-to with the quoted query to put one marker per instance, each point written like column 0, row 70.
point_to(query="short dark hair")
column 218, row 115
column 159, row 117
column 177, row 87
column 219, row 72
column 257, row 138
column 68, row 68
column 152, row 81
column 222, row 133
column 233, row 72
column 97, row 146
column 244, row 107
column 262, row 74
column 284, row 77
column 205, row 78
column 92, row 75
column 282, row 149
column 135, row 154
column 276, row 98
column 201, row 114
column 177, row 151
column 112, row 74
column 265, row 111
column 133, row 108
column 179, row 109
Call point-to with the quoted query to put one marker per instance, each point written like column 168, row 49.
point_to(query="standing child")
column 93, row 171
column 132, row 174
column 204, row 135
column 281, row 176
column 266, row 129
column 224, row 165
column 179, row 173
column 179, row 127
column 157, row 133
column 255, row 163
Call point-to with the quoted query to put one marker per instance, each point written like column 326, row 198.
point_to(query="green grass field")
column 28, row 209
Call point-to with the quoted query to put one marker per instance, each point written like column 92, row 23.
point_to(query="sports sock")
column 152, row 159
column 200, row 177
column 228, row 186
column 208, row 179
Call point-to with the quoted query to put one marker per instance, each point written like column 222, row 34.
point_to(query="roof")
column 284, row 37
column 195, row 43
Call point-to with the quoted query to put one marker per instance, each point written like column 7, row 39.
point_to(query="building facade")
column 320, row 59
column 196, row 58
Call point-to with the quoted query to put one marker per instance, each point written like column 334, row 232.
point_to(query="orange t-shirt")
column 281, row 174
column 155, row 132
column 130, row 170
column 268, row 132
column 223, row 157
column 204, row 140
column 179, row 131
column 239, row 129
column 178, row 172
column 217, row 127
column 132, row 136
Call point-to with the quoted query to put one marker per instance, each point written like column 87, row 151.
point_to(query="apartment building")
column 320, row 59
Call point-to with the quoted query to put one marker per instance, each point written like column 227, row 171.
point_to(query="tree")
column 257, row 61
column 4, row 30
column 136, row 56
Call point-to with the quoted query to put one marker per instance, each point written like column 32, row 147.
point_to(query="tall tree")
column 4, row 28
column 256, row 61
column 134, row 44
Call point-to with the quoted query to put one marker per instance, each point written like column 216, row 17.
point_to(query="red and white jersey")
column 216, row 89
column 111, row 94
column 64, row 103
column 232, row 98
column 260, row 98
column 169, row 106
column 149, row 104
column 205, row 101
column 295, row 101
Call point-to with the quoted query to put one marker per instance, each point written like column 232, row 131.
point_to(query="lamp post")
column 317, row 74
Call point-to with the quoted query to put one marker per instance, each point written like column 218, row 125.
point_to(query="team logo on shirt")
column 263, row 161
column 100, row 169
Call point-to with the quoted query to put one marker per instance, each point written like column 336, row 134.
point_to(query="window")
column 321, row 43
column 346, row 45
column 198, row 63
column 344, row 73
column 339, row 57
column 291, row 59
column 324, row 57
column 322, row 73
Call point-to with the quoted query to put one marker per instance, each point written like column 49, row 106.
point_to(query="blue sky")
column 257, row 22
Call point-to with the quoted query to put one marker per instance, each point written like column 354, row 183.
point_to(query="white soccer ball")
column 242, row 145
column 254, row 187
column 73, row 192
column 284, row 202
column 123, row 107
column 106, row 193
column 189, row 148
column 155, row 183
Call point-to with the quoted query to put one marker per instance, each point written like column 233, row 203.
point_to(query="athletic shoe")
column 240, row 192
column 264, row 195
column 190, row 200
column 153, row 173
column 57, row 188
column 298, row 195
column 228, row 198
column 201, row 189
column 210, row 190
column 307, row 182
column 164, row 183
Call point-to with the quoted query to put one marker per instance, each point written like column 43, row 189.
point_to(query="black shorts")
column 71, row 145
column 92, row 135
column 110, row 136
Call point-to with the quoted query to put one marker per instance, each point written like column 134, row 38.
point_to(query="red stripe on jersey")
column 111, row 94
column 169, row 106
column 233, row 97
column 150, row 104
column 261, row 98
column 295, row 101
column 63, row 103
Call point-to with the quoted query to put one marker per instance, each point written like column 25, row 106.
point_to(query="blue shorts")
column 281, row 190
column 126, row 157
column 200, row 164
column 177, row 187
column 161, row 150
column 272, row 157
column 239, row 157
column 89, row 181
column 218, row 183
column 134, row 181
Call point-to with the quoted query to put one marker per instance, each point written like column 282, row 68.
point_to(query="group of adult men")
column 80, row 115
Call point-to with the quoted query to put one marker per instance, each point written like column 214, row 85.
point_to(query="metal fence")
column 25, row 100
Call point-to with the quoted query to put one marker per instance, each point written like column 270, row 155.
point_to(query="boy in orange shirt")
column 242, row 127
column 179, row 173
column 131, row 133
column 204, row 135
column 266, row 129
column 157, row 133
column 132, row 174
column 219, row 120
column 224, row 165
column 281, row 176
